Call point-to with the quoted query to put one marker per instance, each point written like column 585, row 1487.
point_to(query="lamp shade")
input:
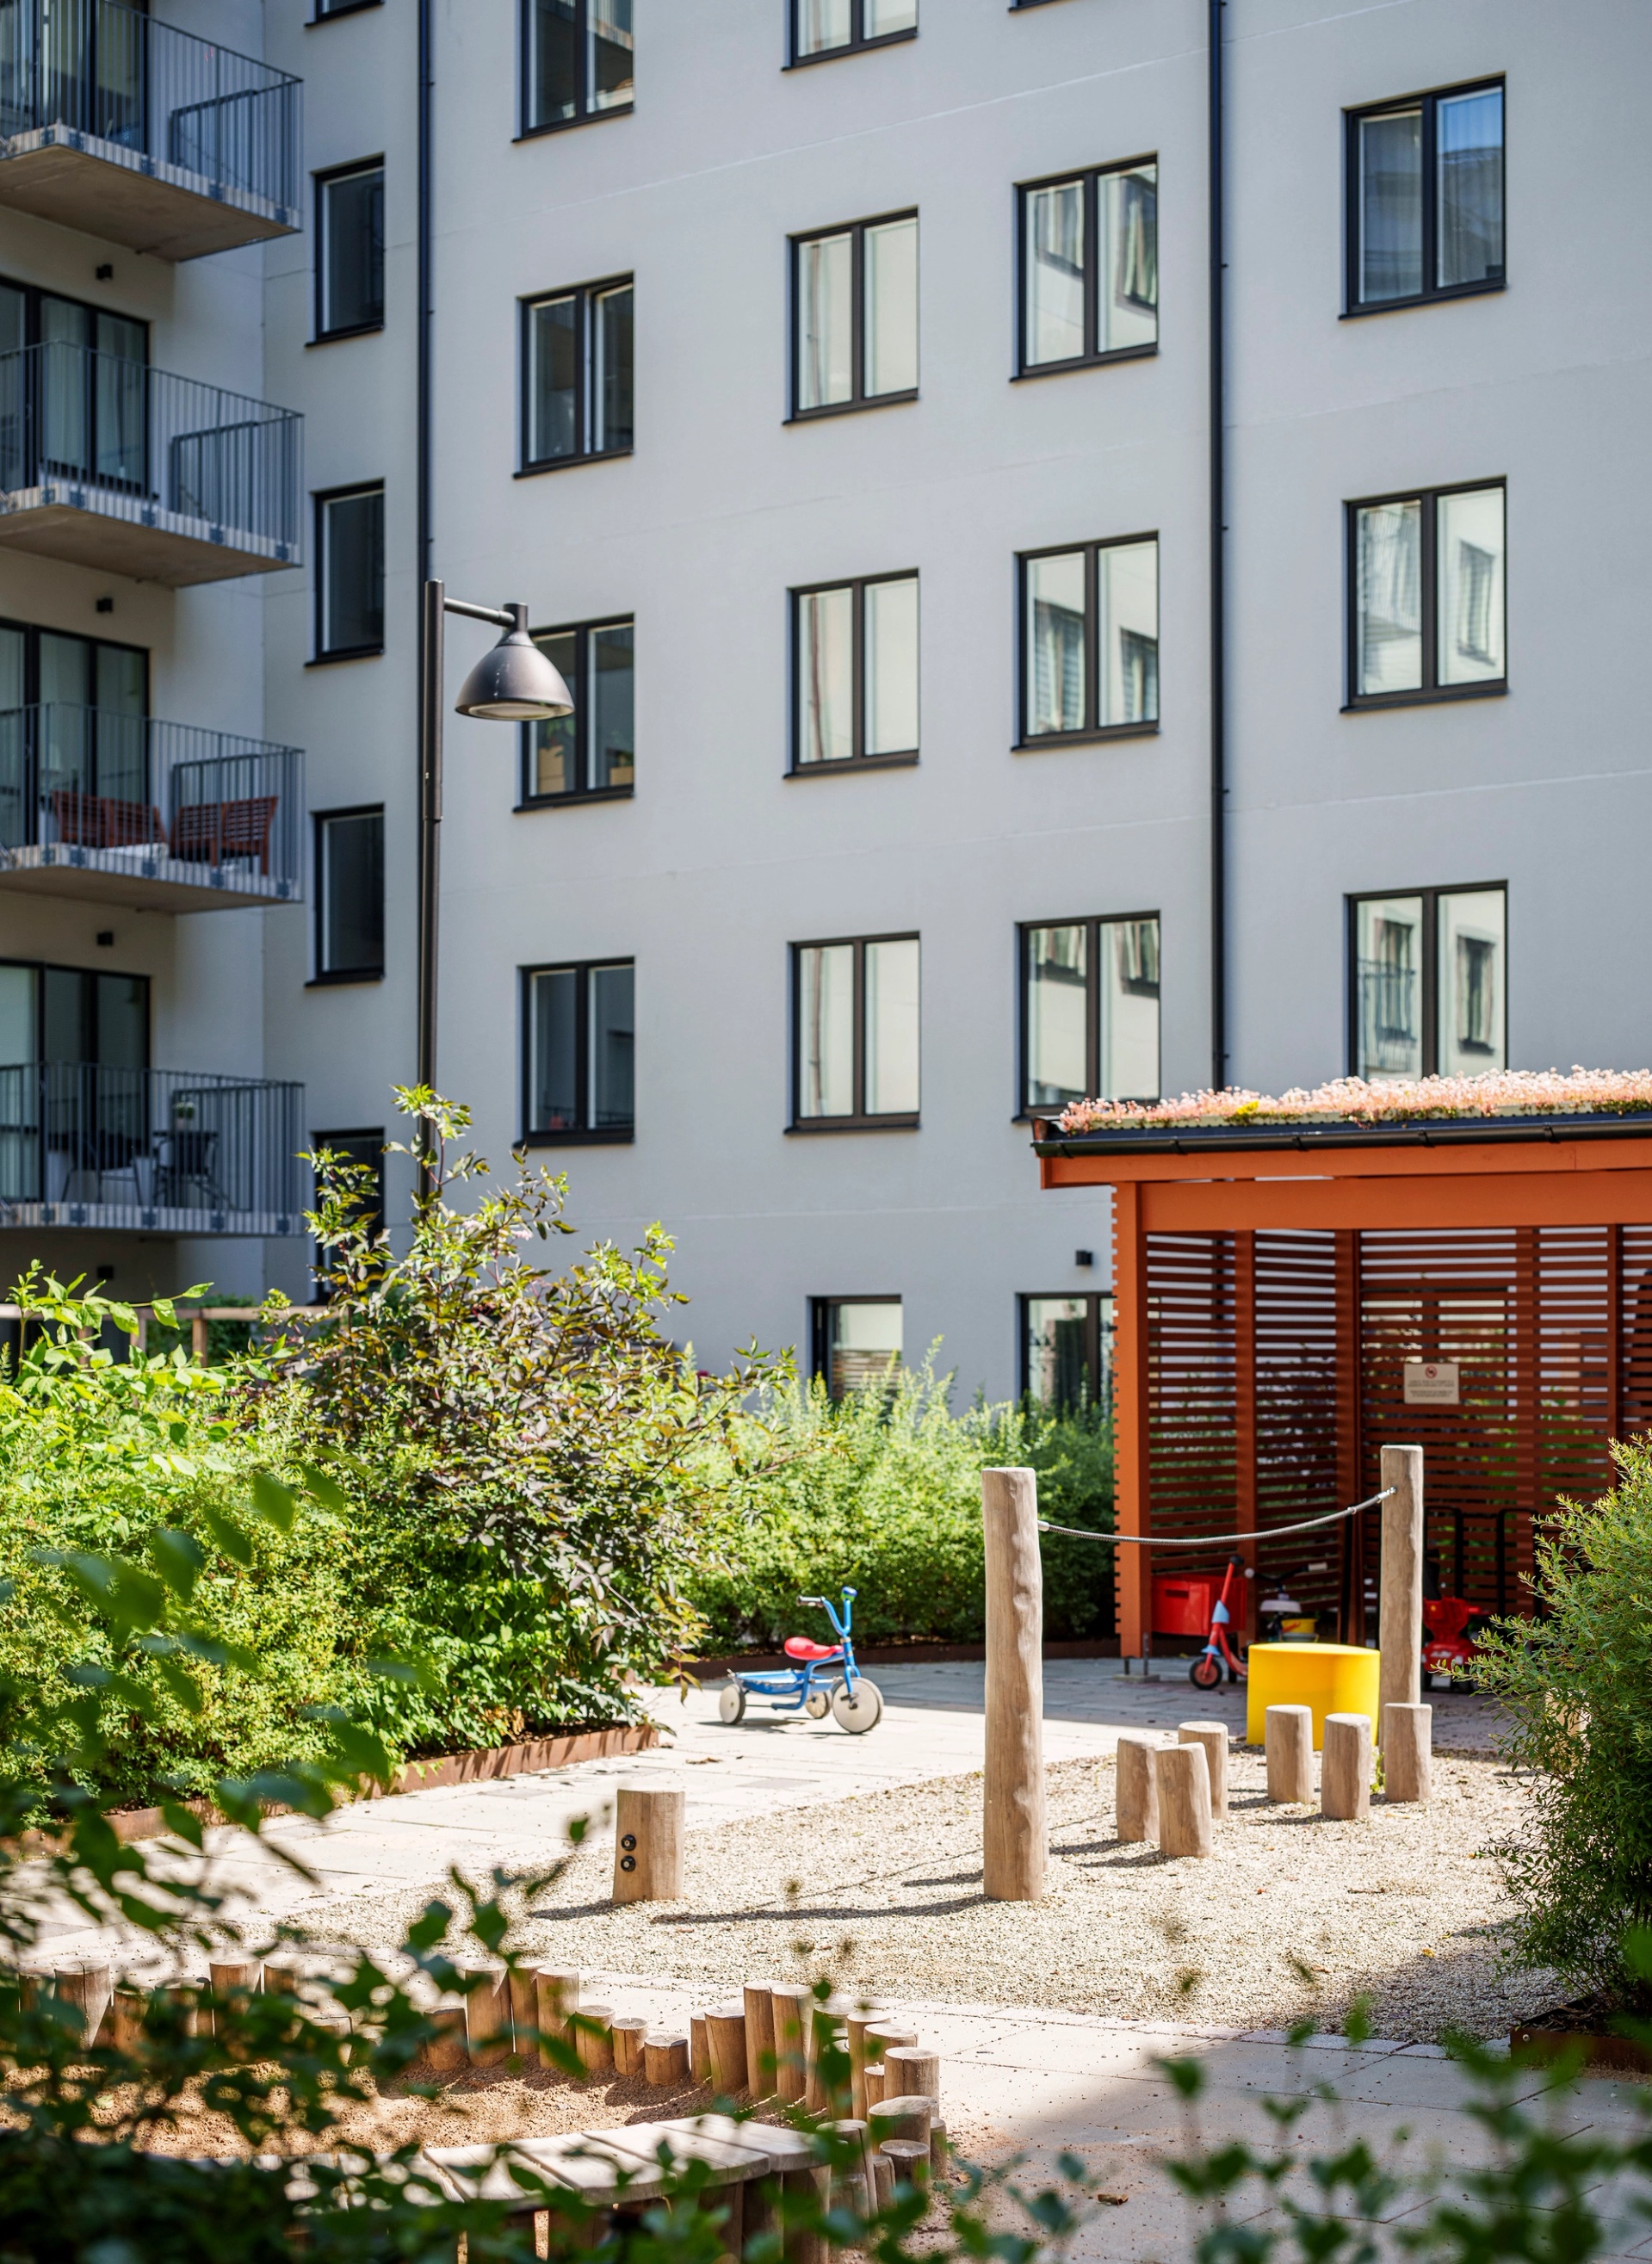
column 515, row 683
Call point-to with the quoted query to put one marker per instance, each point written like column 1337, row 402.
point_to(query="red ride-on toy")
column 1448, row 1649
column 1206, row 1671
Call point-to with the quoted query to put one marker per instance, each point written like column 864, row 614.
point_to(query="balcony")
column 125, row 810
column 143, row 134
column 149, row 1151
column 114, row 465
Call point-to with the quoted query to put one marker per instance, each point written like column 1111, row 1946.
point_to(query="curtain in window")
column 1390, row 596
column 825, row 321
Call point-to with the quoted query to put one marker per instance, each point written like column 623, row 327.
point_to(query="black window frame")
column 1091, row 175
column 323, row 655
column 584, row 293
column 1030, row 742
column 1428, row 974
column 32, row 294
column 1430, row 690
column 820, row 1313
column 902, row 757
column 324, row 15
column 1092, row 923
column 584, row 631
column 323, row 977
column 1353, row 305
column 859, row 399
column 859, row 1121
column 90, row 1055
column 857, row 44
column 526, row 130
column 585, row 1133
column 320, row 334
column 33, row 632
column 1098, row 1371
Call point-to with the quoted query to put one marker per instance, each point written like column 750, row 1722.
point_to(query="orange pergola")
column 1289, row 1297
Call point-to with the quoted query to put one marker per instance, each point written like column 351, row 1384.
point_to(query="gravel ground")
column 1295, row 1917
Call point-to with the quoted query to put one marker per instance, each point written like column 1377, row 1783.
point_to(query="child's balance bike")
column 856, row 1704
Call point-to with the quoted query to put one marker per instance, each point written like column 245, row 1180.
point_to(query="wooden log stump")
column 593, row 2039
column 791, row 2000
column 1135, row 1788
column 805, row 2194
column 555, row 1998
column 825, row 2034
column 726, row 2045
column 449, row 2047
column 1183, row 1786
column 1408, row 1752
column 881, row 2036
column 911, row 2072
column 910, row 2159
column 126, row 2009
column 524, row 2009
column 198, row 2020
column 1288, row 1741
column 626, row 2037
column 852, row 2186
column 648, row 1847
column 760, row 2008
column 699, row 2049
column 855, row 2027
column 901, row 2118
column 1345, row 1770
column 1399, row 1608
column 1212, row 1737
column 487, row 2013
column 938, row 2150
column 1015, row 1820
column 882, row 2179
column 89, row 1988
column 665, row 2061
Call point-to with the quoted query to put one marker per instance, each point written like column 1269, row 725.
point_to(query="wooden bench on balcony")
column 222, row 832
column 102, row 821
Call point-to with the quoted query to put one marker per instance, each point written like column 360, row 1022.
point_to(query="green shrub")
column 881, row 1491
column 1575, row 1687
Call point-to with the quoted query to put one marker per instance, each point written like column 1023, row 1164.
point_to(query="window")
column 1426, row 581
column 326, row 8
column 854, row 663
column 349, row 895
column 1090, row 640
column 591, row 752
column 349, row 573
column 854, row 301
column 1425, row 197
column 1089, row 1011
column 1429, row 992
column 1067, row 1350
column 842, row 28
column 86, row 412
column 576, row 365
column 578, row 61
column 855, row 1013
column 350, row 256
column 857, row 1342
column 72, row 721
column 1090, row 267
column 579, row 1058
column 64, row 1014
column 364, row 1150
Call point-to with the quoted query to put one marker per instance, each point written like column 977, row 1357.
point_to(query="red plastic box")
column 1183, row 1602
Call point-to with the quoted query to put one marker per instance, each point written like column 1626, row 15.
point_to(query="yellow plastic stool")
column 1332, row 1678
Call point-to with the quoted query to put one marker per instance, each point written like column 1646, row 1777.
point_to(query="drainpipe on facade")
column 1218, row 582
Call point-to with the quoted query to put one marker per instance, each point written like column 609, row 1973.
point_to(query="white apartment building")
column 848, row 389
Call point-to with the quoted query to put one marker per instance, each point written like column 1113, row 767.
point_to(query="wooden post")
column 1183, row 1787
column 726, row 2040
column 1136, row 1788
column 760, row 2005
column 1400, row 1624
column 1288, row 1738
column 852, row 2188
column 89, row 1989
column 1015, row 1829
column 825, row 2033
column 699, row 2049
column 910, row 2159
column 198, row 1340
column 556, row 1995
column 1244, row 1438
column 901, row 2118
column 448, row 2048
column 487, row 2013
column 525, row 2007
column 629, row 2036
column 1212, row 1737
column 855, row 2028
column 593, row 2039
column 1344, row 1770
column 909, row 2071
column 648, row 1849
column 1350, row 1448
column 791, row 2000
column 1407, row 1756
column 881, row 2036
column 1131, row 1504
column 882, row 2178
column 665, row 2061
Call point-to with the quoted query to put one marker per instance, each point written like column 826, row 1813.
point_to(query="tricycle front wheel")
column 731, row 1702
column 860, row 1709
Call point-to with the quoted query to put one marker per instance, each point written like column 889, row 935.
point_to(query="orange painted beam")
column 1213, row 1206
column 1518, row 1159
column 1133, row 1573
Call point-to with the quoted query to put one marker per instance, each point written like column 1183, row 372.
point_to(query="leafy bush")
column 1576, row 1686
column 881, row 1491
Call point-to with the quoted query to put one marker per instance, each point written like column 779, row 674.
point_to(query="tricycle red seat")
column 799, row 1646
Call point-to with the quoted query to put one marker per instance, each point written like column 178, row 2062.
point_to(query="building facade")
column 844, row 387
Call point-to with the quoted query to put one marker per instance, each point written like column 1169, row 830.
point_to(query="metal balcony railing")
column 149, row 447
column 155, row 1150
column 96, row 68
column 136, row 798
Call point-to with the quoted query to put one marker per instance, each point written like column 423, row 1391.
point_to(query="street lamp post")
column 514, row 682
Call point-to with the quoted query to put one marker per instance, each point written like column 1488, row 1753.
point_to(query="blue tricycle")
column 856, row 1704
